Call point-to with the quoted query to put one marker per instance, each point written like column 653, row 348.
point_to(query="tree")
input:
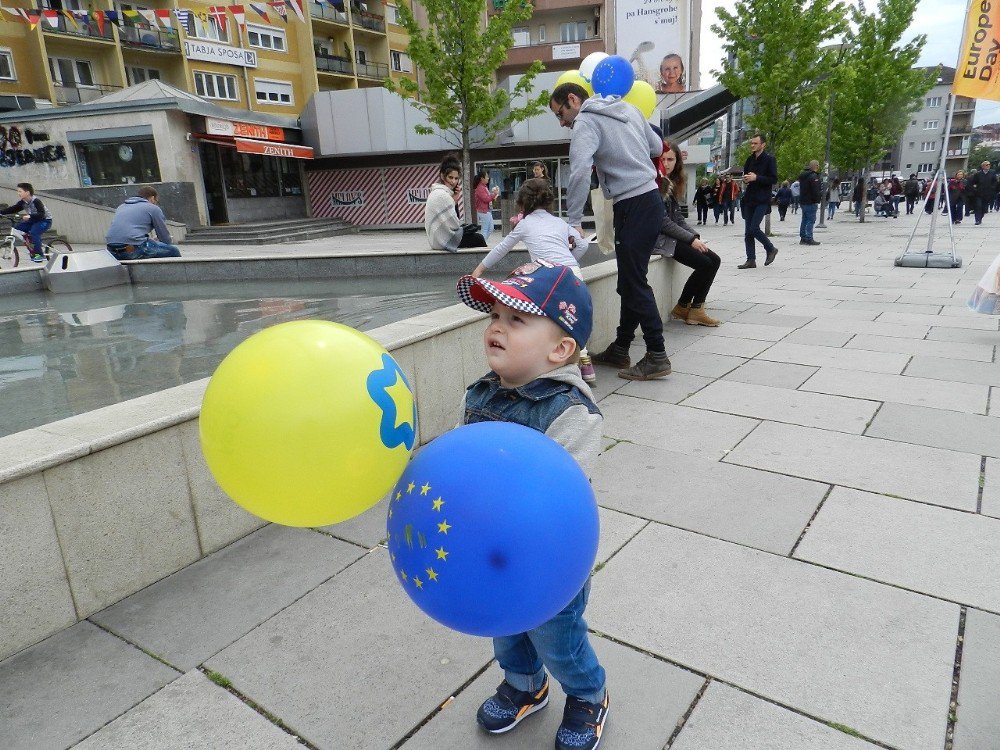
column 880, row 87
column 777, row 57
column 458, row 55
column 981, row 152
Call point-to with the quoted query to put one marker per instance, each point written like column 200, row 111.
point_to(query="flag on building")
column 977, row 74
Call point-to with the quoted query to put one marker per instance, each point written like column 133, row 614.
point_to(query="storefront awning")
column 270, row 148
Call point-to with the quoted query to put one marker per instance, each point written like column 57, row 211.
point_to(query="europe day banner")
column 977, row 74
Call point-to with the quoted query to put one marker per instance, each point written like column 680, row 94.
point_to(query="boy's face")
column 520, row 346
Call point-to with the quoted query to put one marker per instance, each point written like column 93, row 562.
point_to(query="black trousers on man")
column 637, row 223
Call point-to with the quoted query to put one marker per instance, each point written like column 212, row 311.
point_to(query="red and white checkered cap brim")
column 480, row 294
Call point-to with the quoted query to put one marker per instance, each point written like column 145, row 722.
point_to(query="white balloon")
column 589, row 63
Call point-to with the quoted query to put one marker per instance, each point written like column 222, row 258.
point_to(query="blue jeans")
column 754, row 215
column 562, row 645
column 808, row 221
column 147, row 249
column 35, row 231
column 831, row 208
column 485, row 223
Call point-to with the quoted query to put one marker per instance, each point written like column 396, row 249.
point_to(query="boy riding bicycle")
column 35, row 219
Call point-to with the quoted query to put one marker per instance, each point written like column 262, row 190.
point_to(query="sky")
column 941, row 20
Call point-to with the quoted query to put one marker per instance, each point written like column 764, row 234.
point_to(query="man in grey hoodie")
column 128, row 235
column 612, row 136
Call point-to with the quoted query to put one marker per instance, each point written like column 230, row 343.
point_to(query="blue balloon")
column 493, row 529
column 613, row 76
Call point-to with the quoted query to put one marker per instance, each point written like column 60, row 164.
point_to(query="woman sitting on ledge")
column 444, row 230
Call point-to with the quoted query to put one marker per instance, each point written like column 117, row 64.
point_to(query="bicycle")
column 16, row 242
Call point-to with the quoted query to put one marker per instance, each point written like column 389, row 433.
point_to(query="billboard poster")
column 654, row 35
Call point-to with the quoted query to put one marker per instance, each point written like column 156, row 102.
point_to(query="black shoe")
column 803, row 242
column 613, row 356
column 582, row 724
column 651, row 366
column 771, row 255
column 749, row 264
column 812, row 242
column 509, row 706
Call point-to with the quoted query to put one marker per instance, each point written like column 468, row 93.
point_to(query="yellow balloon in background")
column 307, row 423
column 573, row 76
column 642, row 97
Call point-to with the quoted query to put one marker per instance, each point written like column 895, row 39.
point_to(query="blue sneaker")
column 37, row 257
column 582, row 724
column 509, row 706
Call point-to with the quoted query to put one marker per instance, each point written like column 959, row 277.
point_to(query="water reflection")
column 67, row 354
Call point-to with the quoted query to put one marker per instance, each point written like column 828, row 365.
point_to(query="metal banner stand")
column 928, row 258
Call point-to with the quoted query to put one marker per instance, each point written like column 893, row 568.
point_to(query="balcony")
column 80, row 93
column 334, row 64
column 326, row 12
column 522, row 57
column 369, row 21
column 79, row 27
column 957, row 152
column 373, row 70
column 143, row 36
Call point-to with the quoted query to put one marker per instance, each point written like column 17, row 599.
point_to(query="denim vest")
column 536, row 404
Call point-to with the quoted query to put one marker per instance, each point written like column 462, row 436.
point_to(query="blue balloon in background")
column 493, row 529
column 613, row 76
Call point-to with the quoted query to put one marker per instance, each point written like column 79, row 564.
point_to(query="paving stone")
column 935, row 551
column 966, row 335
column 757, row 508
column 305, row 664
column 867, row 305
column 952, row 430
column 961, row 371
column 707, row 365
column 366, row 530
column 730, row 346
column 616, row 529
column 191, row 712
column 954, row 350
column 648, row 698
column 828, row 356
column 774, row 374
column 773, row 319
column 978, row 721
column 783, row 405
column 201, row 609
column 692, row 431
column 900, row 389
column 755, row 331
column 931, row 475
column 729, row 719
column 970, row 320
column 818, row 338
column 994, row 407
column 991, row 489
column 672, row 389
column 819, row 642
column 828, row 313
column 70, row 685
column 872, row 328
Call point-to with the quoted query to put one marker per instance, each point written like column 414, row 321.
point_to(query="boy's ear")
column 563, row 351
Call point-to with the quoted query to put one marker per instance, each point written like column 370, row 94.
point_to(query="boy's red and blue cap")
column 539, row 288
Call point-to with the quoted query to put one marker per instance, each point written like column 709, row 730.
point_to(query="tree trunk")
column 469, row 217
column 864, row 194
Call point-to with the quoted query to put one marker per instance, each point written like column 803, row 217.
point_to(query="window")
column 400, row 61
column 361, row 56
column 138, row 75
column 273, row 92
column 215, row 86
column 257, row 176
column 114, row 163
column 266, row 37
column 71, row 73
column 541, row 34
column 925, row 167
column 931, row 124
column 909, row 166
column 913, row 122
column 913, row 144
column 927, row 146
column 7, row 66
column 392, row 15
column 933, row 101
column 206, row 27
column 575, row 31
column 522, row 37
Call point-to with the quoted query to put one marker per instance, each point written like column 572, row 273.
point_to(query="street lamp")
column 841, row 48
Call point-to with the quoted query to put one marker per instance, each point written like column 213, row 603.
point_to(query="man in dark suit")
column 760, row 173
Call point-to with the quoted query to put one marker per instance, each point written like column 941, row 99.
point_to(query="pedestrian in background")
column 725, row 197
column 796, row 188
column 784, row 198
column 810, row 194
column 483, row 197
column 956, row 196
column 911, row 191
column 701, row 198
column 983, row 186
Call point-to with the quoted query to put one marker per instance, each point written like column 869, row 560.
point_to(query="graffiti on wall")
column 376, row 196
column 18, row 147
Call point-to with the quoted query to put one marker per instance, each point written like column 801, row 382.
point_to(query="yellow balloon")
column 642, row 97
column 573, row 76
column 307, row 423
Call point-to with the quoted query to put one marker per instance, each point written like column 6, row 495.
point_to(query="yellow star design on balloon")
column 392, row 556
column 390, row 512
column 443, row 527
column 437, row 504
column 409, row 488
column 425, row 489
column 403, row 400
column 432, row 574
column 402, row 574
column 442, row 554
column 418, row 583
column 399, row 495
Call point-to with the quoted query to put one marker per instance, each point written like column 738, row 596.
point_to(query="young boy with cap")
column 541, row 316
